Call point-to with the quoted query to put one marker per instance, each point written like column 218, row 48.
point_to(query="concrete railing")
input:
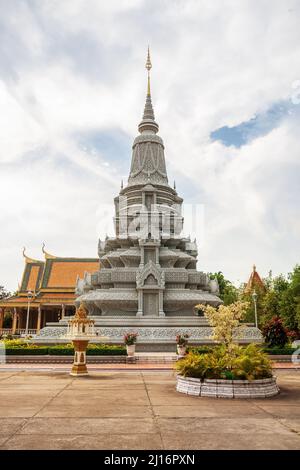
column 9, row 331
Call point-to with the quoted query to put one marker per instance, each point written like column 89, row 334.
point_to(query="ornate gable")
column 150, row 275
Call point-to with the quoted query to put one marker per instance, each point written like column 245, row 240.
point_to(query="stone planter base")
column 130, row 350
column 263, row 388
column 181, row 351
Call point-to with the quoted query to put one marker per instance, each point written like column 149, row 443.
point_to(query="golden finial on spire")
column 148, row 67
column 254, row 268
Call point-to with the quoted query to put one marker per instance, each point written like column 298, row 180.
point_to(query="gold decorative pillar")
column 80, row 331
column 14, row 322
column 63, row 311
column 79, row 364
column 39, row 319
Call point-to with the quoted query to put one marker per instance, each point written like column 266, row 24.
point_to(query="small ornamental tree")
column 275, row 333
column 225, row 321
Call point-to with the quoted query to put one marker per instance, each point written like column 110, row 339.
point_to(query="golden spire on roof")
column 254, row 268
column 29, row 260
column 148, row 67
column 47, row 255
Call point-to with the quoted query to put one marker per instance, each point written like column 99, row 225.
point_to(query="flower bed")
column 238, row 372
column 220, row 388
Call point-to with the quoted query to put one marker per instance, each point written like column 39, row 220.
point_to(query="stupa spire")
column 148, row 67
column 148, row 124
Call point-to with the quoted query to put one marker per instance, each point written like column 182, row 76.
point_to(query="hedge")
column 279, row 351
column 101, row 350
column 64, row 350
column 199, row 349
column 27, row 351
column 272, row 351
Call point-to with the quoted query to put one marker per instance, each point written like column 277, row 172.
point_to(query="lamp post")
column 29, row 298
column 254, row 297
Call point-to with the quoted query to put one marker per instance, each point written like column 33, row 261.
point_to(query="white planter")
column 130, row 349
column 220, row 388
column 181, row 350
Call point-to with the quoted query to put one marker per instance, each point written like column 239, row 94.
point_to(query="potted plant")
column 228, row 370
column 182, row 341
column 130, row 340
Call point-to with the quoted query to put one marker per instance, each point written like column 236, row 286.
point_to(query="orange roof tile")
column 32, row 281
column 63, row 272
column 32, row 276
column 57, row 295
column 254, row 281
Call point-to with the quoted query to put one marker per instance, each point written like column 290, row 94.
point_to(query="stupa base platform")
column 154, row 334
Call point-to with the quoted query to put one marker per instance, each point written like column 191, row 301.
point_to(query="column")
column 14, row 321
column 157, row 256
column 140, row 303
column 39, row 319
column 161, row 304
column 63, row 311
column 142, row 256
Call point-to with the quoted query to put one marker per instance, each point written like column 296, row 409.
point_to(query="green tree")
column 246, row 296
column 274, row 333
column 228, row 292
column 271, row 301
column 4, row 293
column 270, row 306
column 8, row 315
column 290, row 301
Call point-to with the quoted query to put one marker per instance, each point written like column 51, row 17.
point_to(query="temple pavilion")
column 255, row 282
column 48, row 289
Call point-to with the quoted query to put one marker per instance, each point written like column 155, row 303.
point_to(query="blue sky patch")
column 258, row 126
column 114, row 147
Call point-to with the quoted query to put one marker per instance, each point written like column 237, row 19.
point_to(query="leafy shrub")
column 242, row 363
column 17, row 343
column 199, row 349
column 92, row 350
column 275, row 333
column 61, row 350
column 106, row 350
column 293, row 335
column 277, row 351
column 28, row 351
column 18, row 348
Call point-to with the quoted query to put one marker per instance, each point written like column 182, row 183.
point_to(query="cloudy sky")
column 226, row 94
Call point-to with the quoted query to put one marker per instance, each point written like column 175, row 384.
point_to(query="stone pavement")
column 134, row 409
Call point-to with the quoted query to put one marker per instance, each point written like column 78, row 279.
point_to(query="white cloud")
column 74, row 66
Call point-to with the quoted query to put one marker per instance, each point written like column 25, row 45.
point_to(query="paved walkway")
column 139, row 410
column 115, row 366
